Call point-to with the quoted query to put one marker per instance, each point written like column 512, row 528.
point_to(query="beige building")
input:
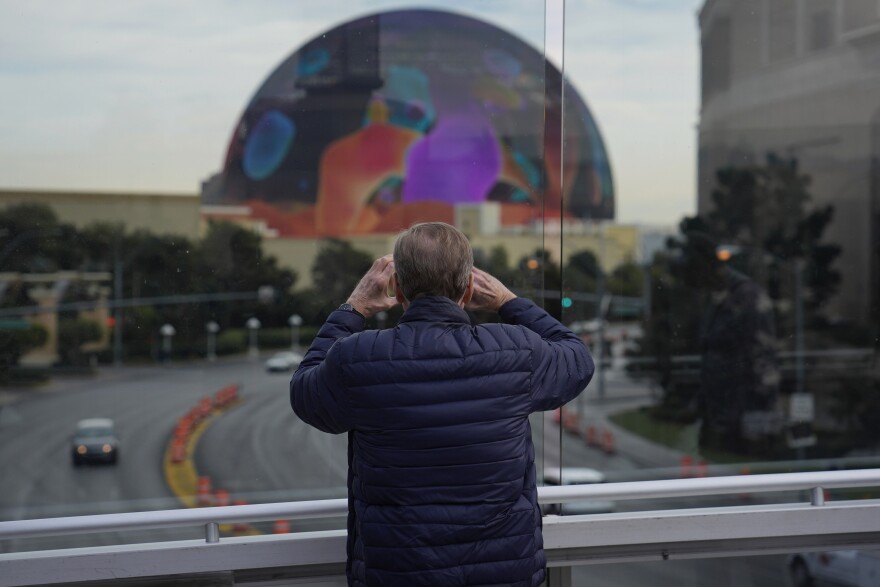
column 801, row 79
column 158, row 213
column 612, row 243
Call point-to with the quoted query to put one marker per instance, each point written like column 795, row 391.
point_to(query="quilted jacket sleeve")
column 317, row 393
column 561, row 364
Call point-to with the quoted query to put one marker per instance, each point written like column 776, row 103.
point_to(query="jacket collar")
column 434, row 309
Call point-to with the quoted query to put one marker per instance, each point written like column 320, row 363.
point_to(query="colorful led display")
column 399, row 117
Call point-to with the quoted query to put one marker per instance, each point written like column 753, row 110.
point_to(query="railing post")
column 817, row 496
column 558, row 577
column 212, row 532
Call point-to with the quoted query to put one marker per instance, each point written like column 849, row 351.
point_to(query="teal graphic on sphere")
column 268, row 145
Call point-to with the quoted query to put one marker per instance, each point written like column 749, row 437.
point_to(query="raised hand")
column 371, row 293
column 489, row 293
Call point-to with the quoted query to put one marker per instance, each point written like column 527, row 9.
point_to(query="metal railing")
column 569, row 540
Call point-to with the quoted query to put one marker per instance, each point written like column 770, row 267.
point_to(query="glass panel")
column 850, row 568
column 740, row 263
column 755, row 571
column 127, row 292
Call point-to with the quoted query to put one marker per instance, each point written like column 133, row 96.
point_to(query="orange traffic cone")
column 281, row 527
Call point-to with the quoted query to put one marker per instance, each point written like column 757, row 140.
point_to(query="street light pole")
column 295, row 322
column 167, row 331
column 799, row 324
column 212, row 328
column 117, row 310
column 253, row 324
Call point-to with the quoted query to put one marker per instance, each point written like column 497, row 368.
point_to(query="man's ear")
column 468, row 292
column 394, row 290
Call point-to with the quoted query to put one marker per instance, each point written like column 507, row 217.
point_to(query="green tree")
column 32, row 239
column 764, row 212
column 73, row 333
column 627, row 279
column 16, row 342
column 336, row 270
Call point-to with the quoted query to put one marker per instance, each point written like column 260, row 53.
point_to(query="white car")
column 577, row 476
column 845, row 568
column 284, row 361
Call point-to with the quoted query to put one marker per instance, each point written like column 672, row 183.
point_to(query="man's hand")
column 370, row 296
column 489, row 293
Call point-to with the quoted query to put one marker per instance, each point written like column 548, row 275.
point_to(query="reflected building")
column 407, row 116
column 801, row 79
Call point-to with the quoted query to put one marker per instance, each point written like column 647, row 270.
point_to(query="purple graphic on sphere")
column 267, row 145
column 457, row 162
column 501, row 63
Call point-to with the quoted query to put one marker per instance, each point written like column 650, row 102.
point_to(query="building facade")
column 801, row 79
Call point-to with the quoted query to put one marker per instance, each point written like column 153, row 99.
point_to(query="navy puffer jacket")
column 441, row 484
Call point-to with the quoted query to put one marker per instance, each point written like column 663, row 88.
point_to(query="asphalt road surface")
column 258, row 450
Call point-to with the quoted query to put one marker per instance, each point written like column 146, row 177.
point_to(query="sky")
column 142, row 95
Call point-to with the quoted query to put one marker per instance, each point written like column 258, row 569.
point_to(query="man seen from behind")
column 441, row 472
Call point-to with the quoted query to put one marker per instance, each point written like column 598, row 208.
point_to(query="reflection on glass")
column 743, row 339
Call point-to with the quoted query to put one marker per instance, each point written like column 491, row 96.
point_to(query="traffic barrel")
column 570, row 423
column 240, row 527
column 281, row 527
column 687, row 463
column 745, row 471
column 702, row 469
column 205, row 406
column 608, row 442
column 591, row 438
column 221, row 498
column 204, row 496
column 178, row 451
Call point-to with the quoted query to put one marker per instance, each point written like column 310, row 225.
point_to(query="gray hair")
column 433, row 259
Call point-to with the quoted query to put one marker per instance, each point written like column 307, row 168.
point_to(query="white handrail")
column 658, row 489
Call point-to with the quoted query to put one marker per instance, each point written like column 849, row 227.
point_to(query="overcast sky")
column 142, row 95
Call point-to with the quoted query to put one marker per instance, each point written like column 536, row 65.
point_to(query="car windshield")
column 94, row 432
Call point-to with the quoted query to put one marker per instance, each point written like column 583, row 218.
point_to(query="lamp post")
column 167, row 331
column 295, row 322
column 212, row 329
column 253, row 324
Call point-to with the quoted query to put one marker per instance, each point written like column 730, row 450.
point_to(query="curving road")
column 258, row 450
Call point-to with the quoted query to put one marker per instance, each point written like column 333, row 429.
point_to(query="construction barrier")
column 687, row 463
column 178, row 451
column 221, row 498
column 240, row 527
column 745, row 471
column 591, row 438
column 702, row 469
column 225, row 396
column 608, row 442
column 570, row 423
column 204, row 496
